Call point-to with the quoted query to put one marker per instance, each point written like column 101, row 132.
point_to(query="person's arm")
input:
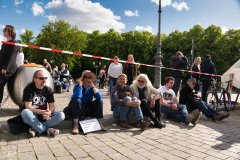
column 115, row 100
column 10, row 53
column 96, row 92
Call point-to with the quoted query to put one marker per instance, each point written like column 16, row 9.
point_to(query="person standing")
column 114, row 70
column 102, row 76
column 196, row 68
column 178, row 62
column 20, row 56
column 39, row 112
column 47, row 65
column 207, row 67
column 8, row 56
column 130, row 69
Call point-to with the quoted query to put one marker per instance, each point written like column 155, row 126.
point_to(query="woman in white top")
column 20, row 56
column 114, row 70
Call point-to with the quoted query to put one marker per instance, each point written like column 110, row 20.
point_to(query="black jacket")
column 8, row 56
column 188, row 97
column 178, row 63
column 207, row 67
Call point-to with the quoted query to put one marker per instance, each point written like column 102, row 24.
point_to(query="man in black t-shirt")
column 39, row 106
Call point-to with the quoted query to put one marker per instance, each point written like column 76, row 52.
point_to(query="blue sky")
column 122, row 15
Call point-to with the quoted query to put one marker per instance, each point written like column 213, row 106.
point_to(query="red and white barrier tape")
column 99, row 57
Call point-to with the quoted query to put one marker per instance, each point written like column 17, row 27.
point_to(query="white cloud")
column 19, row 11
column 224, row 29
column 141, row 28
column 164, row 3
column 131, row 13
column 23, row 30
column 51, row 18
column 88, row 16
column 180, row 6
column 37, row 9
column 17, row 2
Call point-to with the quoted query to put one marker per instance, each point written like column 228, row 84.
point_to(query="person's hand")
column 80, row 82
column 90, row 82
column 47, row 114
column 134, row 103
column 3, row 71
column 174, row 106
column 152, row 103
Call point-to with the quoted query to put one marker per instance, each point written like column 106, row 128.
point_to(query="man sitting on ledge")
column 39, row 110
column 193, row 101
column 124, row 102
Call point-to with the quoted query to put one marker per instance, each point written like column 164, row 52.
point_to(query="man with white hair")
column 147, row 94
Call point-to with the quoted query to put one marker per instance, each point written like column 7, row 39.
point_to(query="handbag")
column 17, row 125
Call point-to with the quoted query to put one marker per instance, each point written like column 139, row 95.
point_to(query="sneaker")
column 32, row 132
column 103, row 128
column 75, row 125
column 195, row 120
column 221, row 116
column 190, row 117
column 124, row 124
column 52, row 132
column 144, row 125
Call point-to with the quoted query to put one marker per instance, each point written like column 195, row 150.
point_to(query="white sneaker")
column 32, row 132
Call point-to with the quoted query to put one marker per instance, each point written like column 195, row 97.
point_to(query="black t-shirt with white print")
column 39, row 97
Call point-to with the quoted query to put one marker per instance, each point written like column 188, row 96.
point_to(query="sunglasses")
column 42, row 78
column 5, row 29
column 87, row 77
column 139, row 81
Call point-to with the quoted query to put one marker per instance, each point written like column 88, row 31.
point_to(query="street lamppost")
column 96, row 66
column 158, row 55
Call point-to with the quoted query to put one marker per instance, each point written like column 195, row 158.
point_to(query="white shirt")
column 115, row 70
column 167, row 94
column 19, row 59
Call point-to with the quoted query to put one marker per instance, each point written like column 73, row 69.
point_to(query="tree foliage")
column 223, row 48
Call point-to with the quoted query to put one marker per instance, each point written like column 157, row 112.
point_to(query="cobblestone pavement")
column 207, row 140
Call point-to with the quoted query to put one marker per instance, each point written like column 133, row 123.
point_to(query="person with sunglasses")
column 39, row 109
column 82, row 104
column 148, row 95
column 193, row 101
column 8, row 54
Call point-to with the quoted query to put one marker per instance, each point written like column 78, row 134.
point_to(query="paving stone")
column 106, row 149
column 28, row 155
column 65, row 158
column 8, row 154
column 78, row 153
column 58, row 152
column 98, row 155
column 46, row 157
column 117, row 156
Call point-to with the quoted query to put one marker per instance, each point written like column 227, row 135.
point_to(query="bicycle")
column 213, row 98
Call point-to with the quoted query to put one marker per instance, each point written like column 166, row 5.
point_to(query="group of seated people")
column 140, row 97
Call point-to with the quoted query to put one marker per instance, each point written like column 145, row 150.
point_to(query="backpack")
column 17, row 125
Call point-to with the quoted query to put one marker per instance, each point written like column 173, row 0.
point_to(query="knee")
column 61, row 116
column 144, row 101
column 26, row 112
column 127, row 99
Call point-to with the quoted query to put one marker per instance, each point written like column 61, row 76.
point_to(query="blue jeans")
column 112, row 82
column 176, row 85
column 31, row 119
column 206, row 110
column 180, row 114
column 122, row 112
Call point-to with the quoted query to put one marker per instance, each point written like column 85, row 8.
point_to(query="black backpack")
column 17, row 125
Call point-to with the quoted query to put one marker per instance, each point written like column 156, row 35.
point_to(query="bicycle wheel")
column 212, row 100
column 227, row 101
